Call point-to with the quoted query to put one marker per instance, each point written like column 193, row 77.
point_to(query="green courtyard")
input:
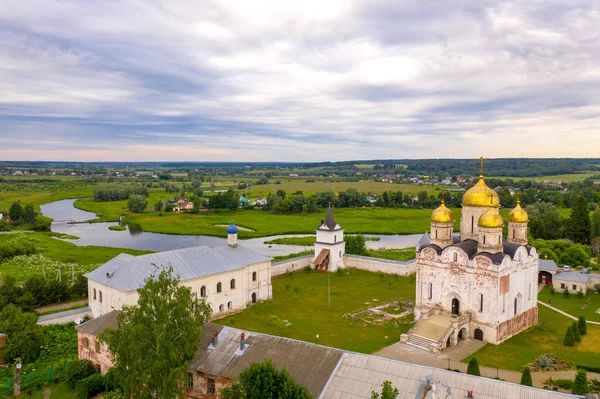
column 301, row 299
column 573, row 304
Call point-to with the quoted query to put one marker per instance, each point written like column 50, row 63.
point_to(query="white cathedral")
column 474, row 284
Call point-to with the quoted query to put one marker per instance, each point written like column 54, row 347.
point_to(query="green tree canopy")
column 137, row 203
column 580, row 385
column 24, row 336
column 579, row 229
column 569, row 339
column 29, row 214
column 595, row 228
column 575, row 255
column 473, row 367
column 544, row 220
column 582, row 326
column 42, row 223
column 387, row 391
column 526, row 377
column 156, row 339
column 356, row 245
column 263, row 380
column 576, row 334
column 16, row 211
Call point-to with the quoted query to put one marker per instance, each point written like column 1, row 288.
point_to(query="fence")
column 35, row 379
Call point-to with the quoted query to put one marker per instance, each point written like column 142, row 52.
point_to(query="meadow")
column 571, row 177
column 572, row 304
column 301, row 299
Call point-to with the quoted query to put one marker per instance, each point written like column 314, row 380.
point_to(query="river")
column 64, row 213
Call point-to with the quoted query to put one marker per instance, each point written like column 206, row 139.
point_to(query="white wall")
column 380, row 265
column 290, row 265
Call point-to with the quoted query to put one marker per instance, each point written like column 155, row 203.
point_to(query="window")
column 436, row 235
column 340, row 254
column 334, row 238
column 484, row 240
column 562, row 286
column 221, row 307
column 218, row 287
column 229, row 305
column 455, row 257
column 94, row 293
column 516, row 303
column 253, row 276
column 100, row 297
column 232, row 284
column 190, row 381
column 97, row 346
column 86, row 343
column 430, row 290
column 529, row 292
column 472, row 224
column 574, row 287
column 203, row 292
column 503, row 303
column 98, row 369
column 499, row 237
column 513, row 234
column 481, row 303
column 210, row 386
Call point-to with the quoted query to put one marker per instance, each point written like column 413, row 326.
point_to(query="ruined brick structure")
column 88, row 345
column 475, row 284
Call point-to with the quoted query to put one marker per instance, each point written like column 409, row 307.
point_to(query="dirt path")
column 61, row 306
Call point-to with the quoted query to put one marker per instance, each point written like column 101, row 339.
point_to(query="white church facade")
column 475, row 284
column 230, row 277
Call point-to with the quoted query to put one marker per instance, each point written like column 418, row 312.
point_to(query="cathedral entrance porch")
column 436, row 332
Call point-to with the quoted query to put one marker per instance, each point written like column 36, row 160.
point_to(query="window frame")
column 210, row 386
column 190, row 381
column 232, row 284
column 254, row 276
column 219, row 287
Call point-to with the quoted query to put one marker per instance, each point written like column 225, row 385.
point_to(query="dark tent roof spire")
column 329, row 220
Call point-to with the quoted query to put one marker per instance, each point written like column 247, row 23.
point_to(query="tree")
column 324, row 198
column 580, row 385
column 356, row 245
column 579, row 223
column 42, row 223
column 576, row 334
column 387, row 392
column 566, row 292
column 581, row 325
column 574, row 256
column 263, row 380
column 24, row 336
column 158, row 206
column 156, row 339
column 29, row 214
column 569, row 337
column 544, row 220
column 15, row 212
column 595, row 227
column 137, row 203
column 473, row 367
column 526, row 377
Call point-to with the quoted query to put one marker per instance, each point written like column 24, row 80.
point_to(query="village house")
column 230, row 277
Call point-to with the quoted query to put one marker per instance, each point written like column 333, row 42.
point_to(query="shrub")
column 42, row 223
column 579, row 294
column 526, row 377
column 381, row 274
column 569, row 337
column 561, row 383
column 582, row 326
column 111, row 383
column 78, row 370
column 566, row 292
column 580, row 385
column 89, row 386
column 114, row 395
column 576, row 334
column 597, row 288
column 473, row 367
column 552, row 290
column 307, row 269
column 339, row 272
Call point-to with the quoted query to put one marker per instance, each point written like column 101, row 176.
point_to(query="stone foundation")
column 517, row 324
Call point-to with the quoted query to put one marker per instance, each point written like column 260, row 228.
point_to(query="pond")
column 65, row 214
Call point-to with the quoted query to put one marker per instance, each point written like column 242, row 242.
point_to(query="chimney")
column 215, row 339
column 242, row 341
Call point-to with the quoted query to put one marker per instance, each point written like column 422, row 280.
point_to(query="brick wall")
column 87, row 349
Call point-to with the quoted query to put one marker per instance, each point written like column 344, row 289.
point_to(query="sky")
column 326, row 80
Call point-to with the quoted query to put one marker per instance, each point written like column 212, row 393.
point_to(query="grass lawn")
column 392, row 253
column 58, row 391
column 546, row 337
column 354, row 220
column 42, row 193
column 304, row 304
column 304, row 240
column 572, row 304
column 53, row 253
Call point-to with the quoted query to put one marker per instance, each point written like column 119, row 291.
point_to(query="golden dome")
column 481, row 195
column 442, row 214
column 518, row 214
column 491, row 219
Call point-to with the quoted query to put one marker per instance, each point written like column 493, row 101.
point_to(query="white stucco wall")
column 380, row 265
column 291, row 265
column 469, row 216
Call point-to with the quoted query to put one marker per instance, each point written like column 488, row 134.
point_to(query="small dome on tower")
column 518, row 214
column 491, row 219
column 232, row 228
column 481, row 195
column 442, row 214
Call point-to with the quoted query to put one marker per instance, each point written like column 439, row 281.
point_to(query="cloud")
column 298, row 81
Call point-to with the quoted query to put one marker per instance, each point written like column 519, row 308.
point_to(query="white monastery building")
column 475, row 284
column 230, row 277
column 329, row 245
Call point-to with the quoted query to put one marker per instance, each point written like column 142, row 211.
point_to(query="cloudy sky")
column 309, row 80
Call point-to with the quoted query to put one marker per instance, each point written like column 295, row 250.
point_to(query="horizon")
column 290, row 82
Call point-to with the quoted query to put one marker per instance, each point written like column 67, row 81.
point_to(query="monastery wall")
column 290, row 265
column 403, row 268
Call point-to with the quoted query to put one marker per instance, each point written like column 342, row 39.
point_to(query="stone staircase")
column 430, row 331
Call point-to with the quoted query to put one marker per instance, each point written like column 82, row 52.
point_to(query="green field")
column 572, row 304
column 54, row 254
column 42, row 193
column 301, row 298
column 571, row 177
column 544, row 338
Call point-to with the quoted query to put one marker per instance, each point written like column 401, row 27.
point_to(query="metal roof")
column 127, row 272
column 572, row 276
column 329, row 223
column 548, row 265
column 357, row 375
column 99, row 324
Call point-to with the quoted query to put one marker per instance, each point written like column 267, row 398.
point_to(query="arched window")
column 340, row 254
column 334, row 238
column 86, row 343
column 516, row 303
column 229, row 305
column 97, row 346
column 430, row 290
column 100, row 297
column 218, row 287
column 499, row 237
column 203, row 292
column 484, row 239
column 94, row 293
column 481, row 303
column 436, row 235
column 455, row 257
column 472, row 224
column 253, row 276
column 221, row 307
column 513, row 234
column 232, row 284
column 254, row 297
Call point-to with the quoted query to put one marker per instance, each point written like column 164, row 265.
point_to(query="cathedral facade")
column 476, row 284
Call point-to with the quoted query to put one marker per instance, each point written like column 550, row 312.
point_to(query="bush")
column 576, row 335
column 114, row 395
column 137, row 203
column 579, row 294
column 582, row 325
column 552, row 290
column 566, row 292
column 78, row 370
column 580, row 385
column 473, row 367
column 561, row 383
column 356, row 245
column 569, row 337
column 307, row 269
column 339, row 272
column 89, row 386
column 111, row 383
column 526, row 377
column 597, row 288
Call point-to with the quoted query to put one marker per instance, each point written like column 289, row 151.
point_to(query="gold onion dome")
column 491, row 219
column 518, row 214
column 481, row 195
column 442, row 214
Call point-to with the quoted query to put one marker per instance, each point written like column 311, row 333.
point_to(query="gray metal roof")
column 548, row 265
column 127, row 273
column 99, row 324
column 572, row 276
column 329, row 223
column 357, row 375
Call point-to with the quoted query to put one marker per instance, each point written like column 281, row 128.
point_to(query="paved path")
column 570, row 316
column 63, row 317
column 60, row 306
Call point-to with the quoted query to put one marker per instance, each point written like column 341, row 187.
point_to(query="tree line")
column 119, row 192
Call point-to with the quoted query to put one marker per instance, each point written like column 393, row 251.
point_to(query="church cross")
column 443, row 195
column 481, row 159
column 491, row 195
column 518, row 194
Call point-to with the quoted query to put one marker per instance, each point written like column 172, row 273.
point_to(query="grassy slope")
column 308, row 312
column 567, row 177
column 572, row 304
column 37, row 196
column 544, row 338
